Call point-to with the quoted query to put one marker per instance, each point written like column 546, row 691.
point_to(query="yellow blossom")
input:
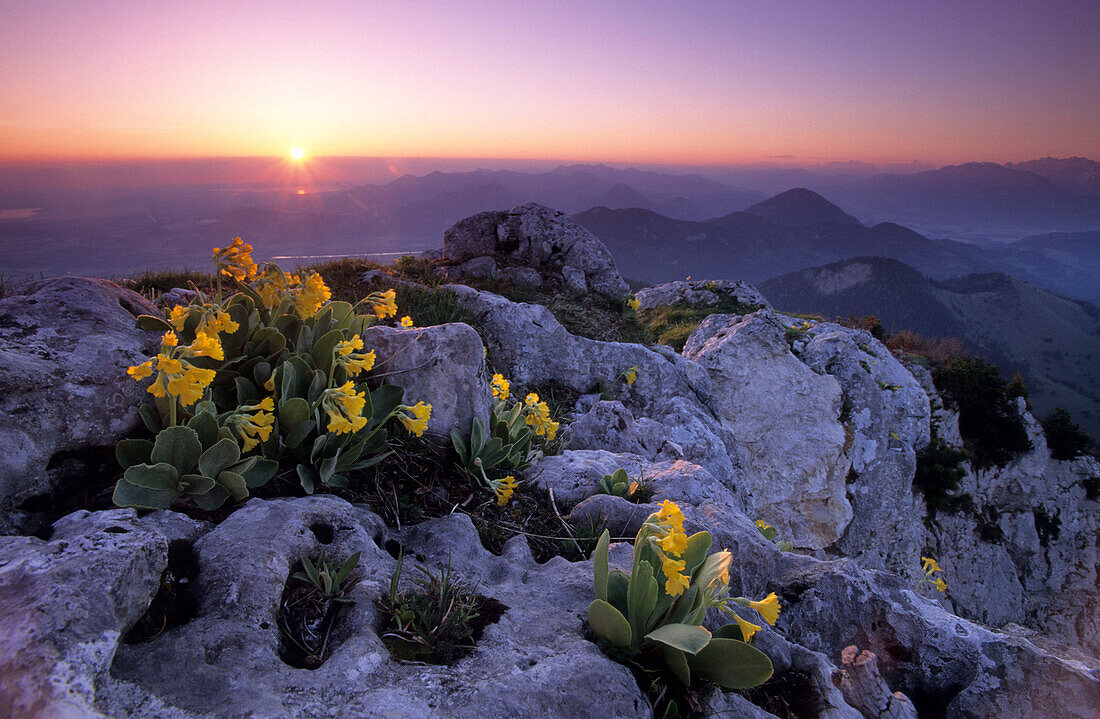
column 215, row 321
column 406, row 321
column 384, row 304
column 675, row 581
column 531, row 399
column 345, row 348
column 670, row 515
column 675, row 542
column 204, row 346
column 631, row 375
column 415, row 418
column 177, row 316
column 501, row 387
column 940, row 584
column 930, row 565
column 503, row 490
column 632, row 303
column 269, row 385
column 236, row 260
column 312, row 295
column 169, row 339
column 747, row 628
column 254, row 422
column 768, row 608
column 141, row 371
column 344, row 407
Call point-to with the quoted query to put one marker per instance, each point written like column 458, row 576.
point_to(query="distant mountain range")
column 799, row 228
column 1052, row 341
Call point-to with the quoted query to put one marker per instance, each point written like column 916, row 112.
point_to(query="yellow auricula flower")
column 747, row 628
column 415, row 418
column 406, row 321
column 631, row 375
column 503, row 490
column 501, row 387
column 768, row 608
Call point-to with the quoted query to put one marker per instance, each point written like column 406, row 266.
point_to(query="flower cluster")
column 344, row 407
column 632, row 303
column 501, row 387
column 538, row 417
column 631, row 375
column 213, row 319
column 253, row 422
column 503, row 489
column 415, row 418
column 273, row 283
column 310, row 295
column 671, row 542
column 931, row 574
column 236, row 260
column 353, row 362
column 384, row 304
column 176, row 376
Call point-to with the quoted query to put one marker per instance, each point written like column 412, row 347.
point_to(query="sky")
column 698, row 82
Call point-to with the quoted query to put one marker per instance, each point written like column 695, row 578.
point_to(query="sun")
column 297, row 153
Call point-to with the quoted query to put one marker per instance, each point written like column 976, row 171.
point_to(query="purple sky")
column 700, row 82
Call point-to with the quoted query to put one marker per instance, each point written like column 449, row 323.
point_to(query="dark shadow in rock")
column 306, row 620
column 174, row 604
column 790, row 695
column 322, row 531
column 404, row 647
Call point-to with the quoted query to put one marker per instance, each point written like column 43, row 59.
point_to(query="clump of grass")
column 153, row 283
column 438, row 620
column 672, row 324
column 936, row 350
column 433, row 306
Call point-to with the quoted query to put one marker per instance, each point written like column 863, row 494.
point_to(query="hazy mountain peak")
column 800, row 206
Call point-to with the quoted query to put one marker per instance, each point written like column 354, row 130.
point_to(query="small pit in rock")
column 308, row 616
column 791, row 695
column 174, row 604
column 322, row 531
column 438, row 620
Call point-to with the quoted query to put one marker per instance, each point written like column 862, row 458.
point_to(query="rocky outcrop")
column 65, row 399
column 443, row 365
column 784, row 420
column 1025, row 551
column 703, row 292
column 886, row 420
column 533, row 662
column 536, row 238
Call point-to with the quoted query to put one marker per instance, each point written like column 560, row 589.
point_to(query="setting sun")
column 297, row 153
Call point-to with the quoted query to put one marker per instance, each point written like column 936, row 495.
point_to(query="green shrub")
column 1065, row 439
column 992, row 429
column 671, row 325
column 939, row 472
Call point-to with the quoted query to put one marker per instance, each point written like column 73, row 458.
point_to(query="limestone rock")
column 784, row 421
column 533, row 662
column 886, row 422
column 65, row 603
column 540, row 238
column 65, row 399
column 443, row 365
column 706, row 292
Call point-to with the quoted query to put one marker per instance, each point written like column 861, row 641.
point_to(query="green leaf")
column 677, row 663
column 213, row 499
column 346, row 570
column 234, row 484
column 323, row 348
column 206, row 429
column 317, row 386
column 194, row 484
column 246, row 391
column 308, row 477
column 729, row 631
column 609, row 624
column 731, row 664
column 293, row 412
column 179, row 447
column 224, row 453
column 384, row 400
column 327, row 469
column 258, row 473
column 131, row 495
column 600, row 566
column 300, row 432
column 150, row 417
column 688, row 638
column 153, row 476
column 129, row 452
column 618, row 582
column 698, row 545
column 149, row 322
column 641, row 597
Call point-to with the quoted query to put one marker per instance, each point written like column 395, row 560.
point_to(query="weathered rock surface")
column 537, row 238
column 534, row 662
column 65, row 603
column 443, row 365
column 1027, row 551
column 886, row 420
column 65, row 399
column 784, row 420
column 705, row 292
column 534, row 349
